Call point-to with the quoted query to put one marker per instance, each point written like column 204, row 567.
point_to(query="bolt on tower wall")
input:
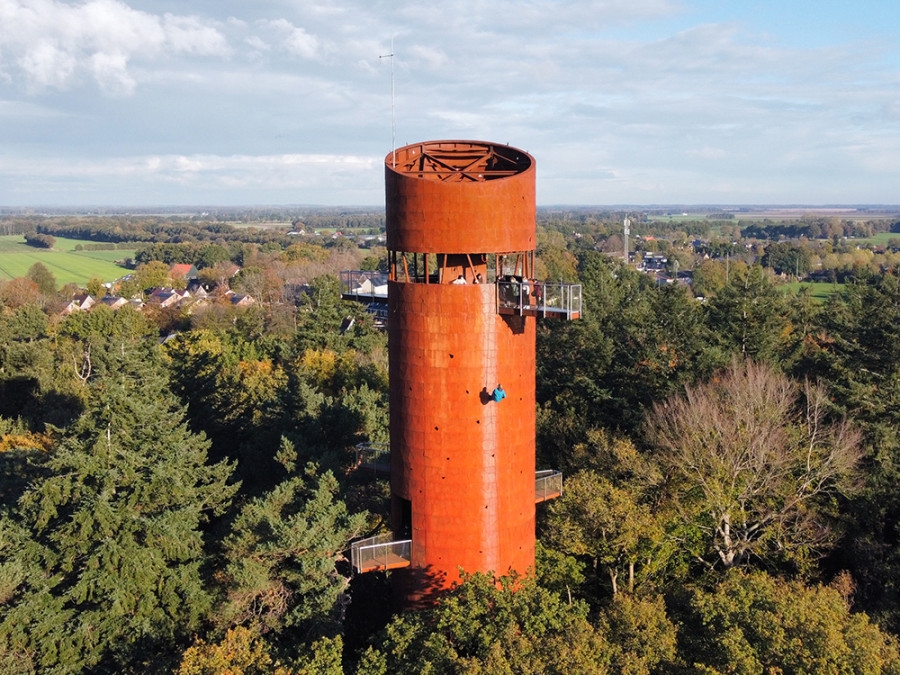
column 462, row 466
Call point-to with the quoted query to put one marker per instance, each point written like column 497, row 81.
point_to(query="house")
column 85, row 300
column 240, row 300
column 113, row 301
column 195, row 288
column 653, row 262
column 81, row 302
column 168, row 297
column 164, row 297
column 183, row 271
column 375, row 285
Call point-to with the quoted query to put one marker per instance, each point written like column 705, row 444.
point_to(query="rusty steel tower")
column 461, row 302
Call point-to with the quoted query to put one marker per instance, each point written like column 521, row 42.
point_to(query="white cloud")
column 303, row 44
column 111, row 72
column 47, row 66
column 619, row 100
column 188, row 35
column 295, row 39
column 305, row 176
column 54, row 42
column 431, row 57
column 708, row 152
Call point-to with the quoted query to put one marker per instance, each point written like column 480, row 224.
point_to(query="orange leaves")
column 25, row 441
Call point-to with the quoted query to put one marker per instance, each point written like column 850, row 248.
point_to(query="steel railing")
column 539, row 298
column 362, row 285
column 374, row 456
column 380, row 552
column 548, row 484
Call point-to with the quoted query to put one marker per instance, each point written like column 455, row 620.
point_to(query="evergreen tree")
column 750, row 316
column 101, row 558
column 282, row 551
column 858, row 354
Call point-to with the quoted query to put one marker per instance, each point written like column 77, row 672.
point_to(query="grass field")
column 880, row 239
column 820, row 290
column 67, row 264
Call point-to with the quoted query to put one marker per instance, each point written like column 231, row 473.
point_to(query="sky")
column 289, row 102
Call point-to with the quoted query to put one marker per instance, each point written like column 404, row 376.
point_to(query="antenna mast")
column 393, row 119
column 627, row 230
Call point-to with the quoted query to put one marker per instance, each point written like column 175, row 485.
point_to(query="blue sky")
column 220, row 102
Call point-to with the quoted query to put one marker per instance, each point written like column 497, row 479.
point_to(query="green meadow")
column 820, row 290
column 880, row 239
column 67, row 264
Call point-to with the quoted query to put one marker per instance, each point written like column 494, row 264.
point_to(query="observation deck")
column 548, row 484
column 381, row 552
column 515, row 295
column 374, row 457
column 460, row 161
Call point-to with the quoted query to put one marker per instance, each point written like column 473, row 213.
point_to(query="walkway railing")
column 532, row 297
column 380, row 552
column 547, row 485
column 373, row 456
column 364, row 286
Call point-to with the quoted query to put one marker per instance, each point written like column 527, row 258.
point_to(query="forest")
column 179, row 494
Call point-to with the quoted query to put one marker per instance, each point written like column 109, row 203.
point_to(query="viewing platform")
column 380, row 552
column 533, row 297
column 515, row 295
column 383, row 552
column 369, row 288
column 547, row 485
column 375, row 457
column 364, row 286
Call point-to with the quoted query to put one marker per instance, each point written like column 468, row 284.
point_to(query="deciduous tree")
column 491, row 626
column 752, row 461
column 43, row 277
column 754, row 623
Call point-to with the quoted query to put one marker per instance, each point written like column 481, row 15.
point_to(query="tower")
column 462, row 465
column 461, row 306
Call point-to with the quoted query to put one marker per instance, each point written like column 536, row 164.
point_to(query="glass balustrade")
column 380, row 552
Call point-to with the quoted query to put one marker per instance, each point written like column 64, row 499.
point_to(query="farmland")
column 66, row 264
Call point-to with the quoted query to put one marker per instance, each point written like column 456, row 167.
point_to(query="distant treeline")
column 818, row 228
column 118, row 230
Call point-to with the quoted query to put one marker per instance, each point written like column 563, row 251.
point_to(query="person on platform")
column 479, row 279
column 459, row 281
column 498, row 394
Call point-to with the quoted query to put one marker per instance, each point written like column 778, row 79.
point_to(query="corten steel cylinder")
column 462, row 465
column 460, row 197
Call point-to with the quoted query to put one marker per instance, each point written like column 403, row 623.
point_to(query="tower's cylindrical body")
column 462, row 465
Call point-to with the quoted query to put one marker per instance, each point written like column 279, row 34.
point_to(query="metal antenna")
column 393, row 120
column 627, row 231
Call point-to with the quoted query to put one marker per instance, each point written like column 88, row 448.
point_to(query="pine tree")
column 282, row 551
column 100, row 562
